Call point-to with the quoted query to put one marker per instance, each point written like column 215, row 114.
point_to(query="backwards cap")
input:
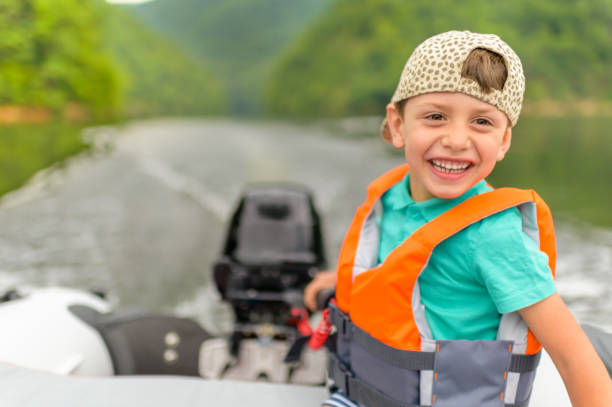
column 436, row 64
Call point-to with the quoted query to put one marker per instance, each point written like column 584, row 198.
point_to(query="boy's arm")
column 581, row 369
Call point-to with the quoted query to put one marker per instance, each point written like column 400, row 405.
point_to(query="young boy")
column 445, row 298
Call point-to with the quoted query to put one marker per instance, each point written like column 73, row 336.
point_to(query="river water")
column 143, row 215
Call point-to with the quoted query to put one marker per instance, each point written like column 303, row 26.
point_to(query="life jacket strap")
column 525, row 363
column 406, row 359
column 523, row 404
column 414, row 360
column 357, row 390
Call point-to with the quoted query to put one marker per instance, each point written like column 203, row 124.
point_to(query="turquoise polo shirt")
column 487, row 269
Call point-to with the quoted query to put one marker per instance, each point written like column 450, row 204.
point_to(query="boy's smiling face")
column 451, row 141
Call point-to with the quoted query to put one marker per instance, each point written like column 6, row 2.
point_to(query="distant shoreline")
column 16, row 114
column 73, row 112
column 556, row 108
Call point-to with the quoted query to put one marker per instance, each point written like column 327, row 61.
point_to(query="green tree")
column 348, row 62
column 51, row 54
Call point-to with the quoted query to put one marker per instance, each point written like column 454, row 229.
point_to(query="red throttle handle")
column 300, row 319
column 319, row 336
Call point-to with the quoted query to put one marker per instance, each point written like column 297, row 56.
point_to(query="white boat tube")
column 22, row 387
column 39, row 331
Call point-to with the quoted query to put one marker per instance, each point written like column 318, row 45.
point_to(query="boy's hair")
column 487, row 68
column 479, row 65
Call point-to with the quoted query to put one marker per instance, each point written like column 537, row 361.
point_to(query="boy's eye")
column 482, row 121
column 435, row 116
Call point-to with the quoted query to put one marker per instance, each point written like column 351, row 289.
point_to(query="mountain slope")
column 161, row 79
column 239, row 39
column 348, row 62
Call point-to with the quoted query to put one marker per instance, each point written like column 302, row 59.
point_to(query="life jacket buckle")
column 347, row 329
column 341, row 321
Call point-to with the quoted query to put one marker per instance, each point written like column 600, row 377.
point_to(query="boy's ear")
column 505, row 144
column 394, row 124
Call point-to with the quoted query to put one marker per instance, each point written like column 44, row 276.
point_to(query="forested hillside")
column 349, row 60
column 51, row 53
column 298, row 58
column 87, row 53
column 240, row 39
column 159, row 78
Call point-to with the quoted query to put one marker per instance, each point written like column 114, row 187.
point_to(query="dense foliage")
column 240, row 39
column 349, row 60
column 92, row 54
column 25, row 149
column 58, row 53
column 337, row 57
column 51, row 53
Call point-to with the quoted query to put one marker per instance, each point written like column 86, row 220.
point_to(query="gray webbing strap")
column 405, row 359
column 359, row 391
column 413, row 360
column 524, row 363
column 522, row 404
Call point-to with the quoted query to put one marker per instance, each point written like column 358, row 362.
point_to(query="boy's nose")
column 456, row 139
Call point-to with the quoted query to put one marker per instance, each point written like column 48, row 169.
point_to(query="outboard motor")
column 273, row 250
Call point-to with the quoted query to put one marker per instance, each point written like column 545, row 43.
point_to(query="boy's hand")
column 324, row 279
column 584, row 374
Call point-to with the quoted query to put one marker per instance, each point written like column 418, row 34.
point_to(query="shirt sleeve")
column 510, row 263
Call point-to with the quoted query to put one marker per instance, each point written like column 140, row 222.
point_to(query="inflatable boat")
column 62, row 346
column 68, row 347
column 54, row 354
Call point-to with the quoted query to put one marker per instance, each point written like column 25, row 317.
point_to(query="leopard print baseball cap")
column 436, row 64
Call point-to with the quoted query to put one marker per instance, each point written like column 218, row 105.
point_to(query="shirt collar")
column 398, row 198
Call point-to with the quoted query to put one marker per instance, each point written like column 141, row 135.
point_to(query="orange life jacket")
column 381, row 321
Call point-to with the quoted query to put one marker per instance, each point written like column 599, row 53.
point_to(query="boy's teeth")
column 450, row 166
